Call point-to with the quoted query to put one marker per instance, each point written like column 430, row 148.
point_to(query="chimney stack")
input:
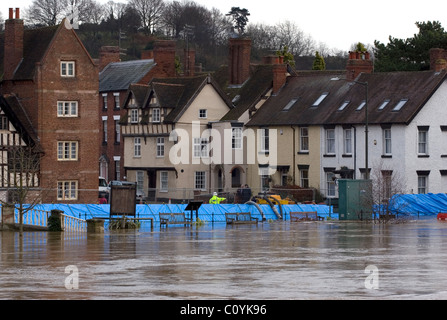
column 358, row 62
column 164, row 57
column 107, row 55
column 438, row 59
column 13, row 50
column 239, row 64
column 189, row 63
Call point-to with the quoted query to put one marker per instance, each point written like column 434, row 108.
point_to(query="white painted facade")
column 404, row 158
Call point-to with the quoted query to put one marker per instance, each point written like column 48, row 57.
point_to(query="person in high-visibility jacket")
column 215, row 199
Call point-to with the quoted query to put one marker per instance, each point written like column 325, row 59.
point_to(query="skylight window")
column 320, row 99
column 361, row 105
column 290, row 104
column 400, row 104
column 343, row 105
column 384, row 104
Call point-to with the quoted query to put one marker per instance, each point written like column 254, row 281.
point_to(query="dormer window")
column 156, row 115
column 134, row 116
column 320, row 99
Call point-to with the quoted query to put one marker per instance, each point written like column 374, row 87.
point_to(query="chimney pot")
column 358, row 62
column 11, row 13
column 17, row 13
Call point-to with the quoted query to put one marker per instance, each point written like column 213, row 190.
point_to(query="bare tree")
column 45, row 12
column 387, row 185
column 20, row 176
column 150, row 12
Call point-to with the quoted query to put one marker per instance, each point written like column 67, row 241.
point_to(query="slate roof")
column 118, row 76
column 416, row 87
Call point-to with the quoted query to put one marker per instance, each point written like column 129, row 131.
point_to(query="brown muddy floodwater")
column 279, row 260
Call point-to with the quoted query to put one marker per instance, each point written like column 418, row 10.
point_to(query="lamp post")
column 365, row 84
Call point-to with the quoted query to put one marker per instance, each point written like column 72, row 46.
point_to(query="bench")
column 173, row 218
column 304, row 216
column 240, row 218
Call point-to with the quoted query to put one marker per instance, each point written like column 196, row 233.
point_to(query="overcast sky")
column 338, row 24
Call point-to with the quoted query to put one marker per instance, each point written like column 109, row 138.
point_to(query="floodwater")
column 277, row 260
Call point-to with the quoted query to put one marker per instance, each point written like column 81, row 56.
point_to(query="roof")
column 249, row 94
column 118, row 76
column 35, row 45
column 17, row 115
column 178, row 93
column 302, row 91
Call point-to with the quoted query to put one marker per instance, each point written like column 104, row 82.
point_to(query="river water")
column 277, row 260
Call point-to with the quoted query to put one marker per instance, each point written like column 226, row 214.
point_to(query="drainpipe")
column 293, row 156
column 355, row 152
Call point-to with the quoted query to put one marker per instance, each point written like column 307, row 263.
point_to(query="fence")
column 70, row 223
column 39, row 218
column 33, row 217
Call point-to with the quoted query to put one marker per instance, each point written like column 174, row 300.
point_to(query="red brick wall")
column 111, row 148
column 83, row 88
column 239, row 64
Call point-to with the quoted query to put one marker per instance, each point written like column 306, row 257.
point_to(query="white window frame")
column 330, row 185
column 200, row 180
column 164, row 181
column 329, row 141
column 65, row 69
column 67, row 109
column 422, row 184
column 160, row 147
column 265, row 140
column 67, row 150
column 137, row 147
column 116, row 119
column 422, row 142
column 236, row 138
column 347, row 141
column 116, row 99
column 203, row 114
column 140, row 182
column 387, row 141
column 104, row 101
column 134, row 116
column 67, row 190
column 200, row 148
column 304, row 178
column 104, row 128
column 304, row 139
column 156, row 115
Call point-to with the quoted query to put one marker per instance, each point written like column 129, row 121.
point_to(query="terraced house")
column 321, row 117
column 49, row 103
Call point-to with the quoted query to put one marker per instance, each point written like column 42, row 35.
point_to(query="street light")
column 365, row 84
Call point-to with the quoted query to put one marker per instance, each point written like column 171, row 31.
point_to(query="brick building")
column 115, row 77
column 49, row 75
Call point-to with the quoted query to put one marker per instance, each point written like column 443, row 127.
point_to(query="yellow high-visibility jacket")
column 216, row 200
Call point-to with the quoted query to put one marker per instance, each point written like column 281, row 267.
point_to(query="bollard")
column 95, row 226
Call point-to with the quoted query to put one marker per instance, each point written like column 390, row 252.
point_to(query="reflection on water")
column 280, row 260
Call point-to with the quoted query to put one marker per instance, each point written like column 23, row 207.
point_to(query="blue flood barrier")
column 206, row 212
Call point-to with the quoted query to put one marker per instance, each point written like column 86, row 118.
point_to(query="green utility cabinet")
column 355, row 199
